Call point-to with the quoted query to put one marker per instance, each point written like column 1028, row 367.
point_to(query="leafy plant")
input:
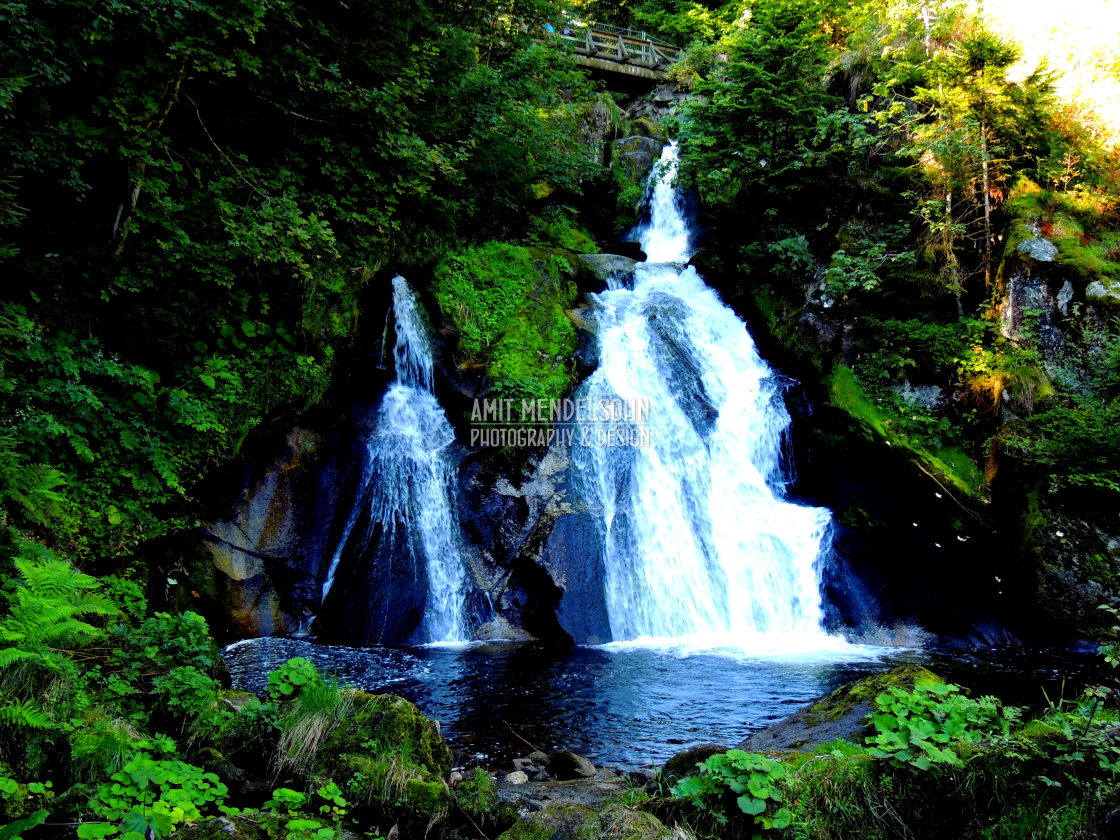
column 292, row 677
column 152, row 796
column 745, row 780
column 927, row 726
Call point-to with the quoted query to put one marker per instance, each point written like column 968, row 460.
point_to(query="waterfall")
column 697, row 540
column 407, row 478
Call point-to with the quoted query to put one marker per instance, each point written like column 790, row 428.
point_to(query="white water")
column 701, row 549
column 407, row 476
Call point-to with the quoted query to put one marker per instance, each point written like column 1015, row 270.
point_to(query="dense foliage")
column 188, row 235
column 928, row 236
column 1053, row 775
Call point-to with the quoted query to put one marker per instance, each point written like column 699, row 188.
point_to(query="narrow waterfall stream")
column 407, row 477
column 699, row 544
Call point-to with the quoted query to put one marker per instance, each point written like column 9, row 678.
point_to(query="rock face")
column 837, row 715
column 1073, row 554
column 533, row 548
column 576, row 810
column 266, row 552
column 635, row 155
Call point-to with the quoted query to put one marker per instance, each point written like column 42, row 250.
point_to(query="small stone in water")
column 517, row 777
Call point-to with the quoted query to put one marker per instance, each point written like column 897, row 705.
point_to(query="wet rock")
column 608, row 267
column 684, row 763
column 541, row 758
column 641, row 775
column 636, row 155
column 517, row 777
column 259, row 550
column 568, row 765
column 837, row 715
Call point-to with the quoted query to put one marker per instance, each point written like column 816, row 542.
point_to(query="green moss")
column 426, row 799
column 950, row 463
column 510, row 306
column 480, row 289
column 1077, row 223
column 847, row 697
column 526, row 830
column 556, row 820
column 1098, row 568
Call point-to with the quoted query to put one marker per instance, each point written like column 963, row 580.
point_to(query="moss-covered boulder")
column 617, row 822
column 223, row 828
column 392, row 763
column 556, row 821
column 837, row 715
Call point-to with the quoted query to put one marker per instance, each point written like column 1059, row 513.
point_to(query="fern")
column 48, row 609
column 49, row 604
column 26, row 714
column 9, row 656
column 34, row 487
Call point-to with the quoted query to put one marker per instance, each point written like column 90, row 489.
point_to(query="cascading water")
column 697, row 541
column 407, row 478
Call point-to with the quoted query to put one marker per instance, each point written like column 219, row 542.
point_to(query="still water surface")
column 628, row 707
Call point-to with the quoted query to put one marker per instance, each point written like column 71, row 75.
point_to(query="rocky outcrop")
column 266, row 550
column 532, row 546
column 840, row 714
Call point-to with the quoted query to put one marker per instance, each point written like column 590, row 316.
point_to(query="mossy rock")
column 837, row 715
column 559, row 821
column 386, row 724
column 222, row 828
column 617, row 822
column 391, row 762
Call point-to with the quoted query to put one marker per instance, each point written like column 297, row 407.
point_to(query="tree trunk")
column 987, row 189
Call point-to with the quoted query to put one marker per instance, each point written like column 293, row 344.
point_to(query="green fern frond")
column 10, row 656
column 26, row 715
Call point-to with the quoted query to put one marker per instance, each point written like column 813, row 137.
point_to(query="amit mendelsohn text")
column 591, row 422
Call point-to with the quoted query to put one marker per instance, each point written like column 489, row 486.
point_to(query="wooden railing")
column 616, row 44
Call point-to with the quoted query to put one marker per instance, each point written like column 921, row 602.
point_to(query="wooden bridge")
column 618, row 50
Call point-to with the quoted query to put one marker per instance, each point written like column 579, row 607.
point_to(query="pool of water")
column 633, row 706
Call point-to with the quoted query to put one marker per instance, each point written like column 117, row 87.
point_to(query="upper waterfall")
column 696, row 536
column 664, row 238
